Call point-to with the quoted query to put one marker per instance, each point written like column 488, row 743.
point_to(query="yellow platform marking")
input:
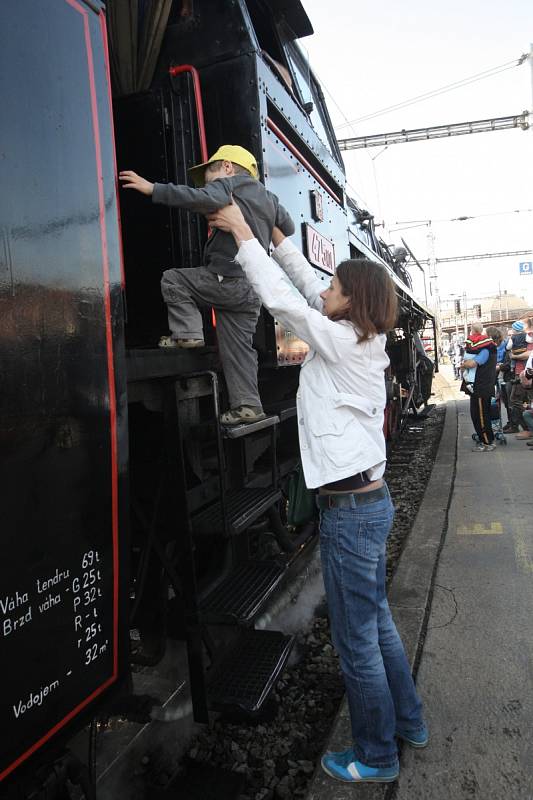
column 478, row 528
column 523, row 545
column 522, row 533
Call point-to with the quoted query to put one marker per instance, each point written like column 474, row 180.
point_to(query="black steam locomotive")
column 125, row 505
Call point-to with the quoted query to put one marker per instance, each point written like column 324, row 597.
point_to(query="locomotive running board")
column 248, row 672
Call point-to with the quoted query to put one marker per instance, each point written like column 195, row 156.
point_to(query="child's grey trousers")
column 237, row 309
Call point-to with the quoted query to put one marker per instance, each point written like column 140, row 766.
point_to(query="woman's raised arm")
column 290, row 259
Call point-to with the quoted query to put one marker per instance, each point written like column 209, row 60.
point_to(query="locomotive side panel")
column 63, row 415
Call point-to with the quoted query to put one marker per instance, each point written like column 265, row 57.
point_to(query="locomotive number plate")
column 320, row 251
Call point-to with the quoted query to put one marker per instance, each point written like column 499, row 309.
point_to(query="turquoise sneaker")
column 415, row 739
column 344, row 767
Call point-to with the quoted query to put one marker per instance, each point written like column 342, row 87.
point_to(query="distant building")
column 494, row 309
column 503, row 306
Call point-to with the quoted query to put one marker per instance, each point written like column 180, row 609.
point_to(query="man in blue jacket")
column 483, row 391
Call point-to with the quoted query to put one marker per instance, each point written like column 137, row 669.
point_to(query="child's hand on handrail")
column 130, row 180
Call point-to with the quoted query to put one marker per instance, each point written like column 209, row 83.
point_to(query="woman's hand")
column 231, row 220
column 130, row 180
column 469, row 363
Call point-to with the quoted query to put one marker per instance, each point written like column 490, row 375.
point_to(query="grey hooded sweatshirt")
column 261, row 209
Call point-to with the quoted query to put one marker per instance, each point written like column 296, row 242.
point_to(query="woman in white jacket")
column 341, row 400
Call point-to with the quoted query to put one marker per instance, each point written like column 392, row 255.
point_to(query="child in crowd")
column 517, row 342
column 230, row 174
column 457, row 360
column 519, row 345
column 473, row 346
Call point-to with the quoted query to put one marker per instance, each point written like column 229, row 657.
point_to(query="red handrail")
column 201, row 124
column 198, row 99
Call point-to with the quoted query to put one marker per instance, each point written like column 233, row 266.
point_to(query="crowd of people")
column 496, row 368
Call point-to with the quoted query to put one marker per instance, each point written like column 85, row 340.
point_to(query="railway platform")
column 462, row 598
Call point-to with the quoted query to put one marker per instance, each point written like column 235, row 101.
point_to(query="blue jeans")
column 379, row 686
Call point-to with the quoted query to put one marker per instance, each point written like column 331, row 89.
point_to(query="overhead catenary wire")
column 457, row 84
column 489, row 73
column 415, row 223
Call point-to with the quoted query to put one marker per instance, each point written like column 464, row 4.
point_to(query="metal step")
column 243, row 506
column 240, row 596
column 157, row 362
column 237, row 431
column 247, row 674
column 288, row 413
column 285, row 409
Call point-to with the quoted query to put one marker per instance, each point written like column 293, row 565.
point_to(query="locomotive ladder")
column 245, row 663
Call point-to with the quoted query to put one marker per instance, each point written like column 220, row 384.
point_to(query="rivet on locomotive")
column 126, row 506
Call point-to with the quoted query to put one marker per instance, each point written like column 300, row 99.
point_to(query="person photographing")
column 341, row 400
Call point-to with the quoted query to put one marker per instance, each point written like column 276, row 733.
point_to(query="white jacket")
column 341, row 396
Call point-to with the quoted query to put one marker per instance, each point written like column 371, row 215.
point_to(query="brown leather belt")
column 351, row 499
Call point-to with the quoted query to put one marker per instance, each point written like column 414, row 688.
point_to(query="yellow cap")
column 228, row 152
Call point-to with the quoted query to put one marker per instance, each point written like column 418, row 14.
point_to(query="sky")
column 369, row 56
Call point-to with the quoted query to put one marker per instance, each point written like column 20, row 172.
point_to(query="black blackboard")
column 62, row 444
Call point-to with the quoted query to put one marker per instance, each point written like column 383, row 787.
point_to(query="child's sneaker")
column 186, row 344
column 242, row 414
column 419, row 739
column 479, row 448
column 344, row 767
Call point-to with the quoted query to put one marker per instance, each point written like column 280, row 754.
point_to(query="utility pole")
column 433, row 278
column 531, row 65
